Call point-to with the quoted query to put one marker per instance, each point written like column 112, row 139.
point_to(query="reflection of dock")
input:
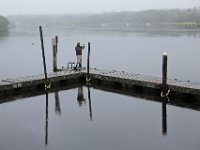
column 132, row 81
column 124, row 83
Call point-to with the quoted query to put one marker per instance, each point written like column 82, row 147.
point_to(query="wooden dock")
column 38, row 80
column 132, row 79
column 135, row 82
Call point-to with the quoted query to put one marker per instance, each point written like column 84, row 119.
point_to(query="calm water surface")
column 131, row 52
column 108, row 121
column 111, row 121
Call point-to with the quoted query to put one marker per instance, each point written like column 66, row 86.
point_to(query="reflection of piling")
column 57, row 104
column 55, row 50
column 46, row 120
column 164, row 116
column 90, row 105
column 43, row 55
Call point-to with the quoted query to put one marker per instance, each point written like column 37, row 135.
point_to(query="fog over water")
column 100, row 120
column 10, row 7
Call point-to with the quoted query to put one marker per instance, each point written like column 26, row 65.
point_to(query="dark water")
column 107, row 120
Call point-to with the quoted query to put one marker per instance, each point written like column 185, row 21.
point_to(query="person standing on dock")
column 79, row 50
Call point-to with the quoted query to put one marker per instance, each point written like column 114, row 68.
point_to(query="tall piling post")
column 43, row 55
column 88, row 64
column 164, row 87
column 55, row 50
column 164, row 73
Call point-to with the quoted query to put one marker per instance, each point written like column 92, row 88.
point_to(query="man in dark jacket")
column 79, row 50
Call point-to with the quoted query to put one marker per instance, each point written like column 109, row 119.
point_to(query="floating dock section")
column 103, row 78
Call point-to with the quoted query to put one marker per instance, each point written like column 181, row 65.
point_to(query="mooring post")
column 165, row 90
column 43, row 56
column 55, row 50
column 88, row 64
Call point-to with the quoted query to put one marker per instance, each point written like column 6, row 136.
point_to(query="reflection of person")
column 57, row 104
column 80, row 96
column 78, row 50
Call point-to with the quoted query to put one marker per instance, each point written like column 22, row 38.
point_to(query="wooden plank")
column 146, row 81
column 120, row 77
column 37, row 79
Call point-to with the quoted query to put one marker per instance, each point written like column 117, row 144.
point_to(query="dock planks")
column 113, row 76
column 122, row 77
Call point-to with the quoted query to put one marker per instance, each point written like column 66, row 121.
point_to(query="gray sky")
column 10, row 7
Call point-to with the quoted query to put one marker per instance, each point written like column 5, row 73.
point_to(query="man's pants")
column 79, row 60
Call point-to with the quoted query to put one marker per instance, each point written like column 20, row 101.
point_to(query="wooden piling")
column 55, row 50
column 164, row 74
column 88, row 64
column 43, row 55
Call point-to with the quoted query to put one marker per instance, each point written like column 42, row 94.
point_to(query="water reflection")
column 170, row 33
column 80, row 96
column 164, row 116
column 57, row 104
column 80, row 99
column 90, row 104
column 4, row 33
column 46, row 120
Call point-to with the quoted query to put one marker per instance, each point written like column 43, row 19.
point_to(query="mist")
column 10, row 7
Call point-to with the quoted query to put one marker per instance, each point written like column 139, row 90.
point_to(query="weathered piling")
column 88, row 64
column 55, row 50
column 43, row 55
column 165, row 91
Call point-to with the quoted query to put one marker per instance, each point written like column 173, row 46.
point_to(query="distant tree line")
column 180, row 18
column 151, row 16
column 148, row 19
column 4, row 22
